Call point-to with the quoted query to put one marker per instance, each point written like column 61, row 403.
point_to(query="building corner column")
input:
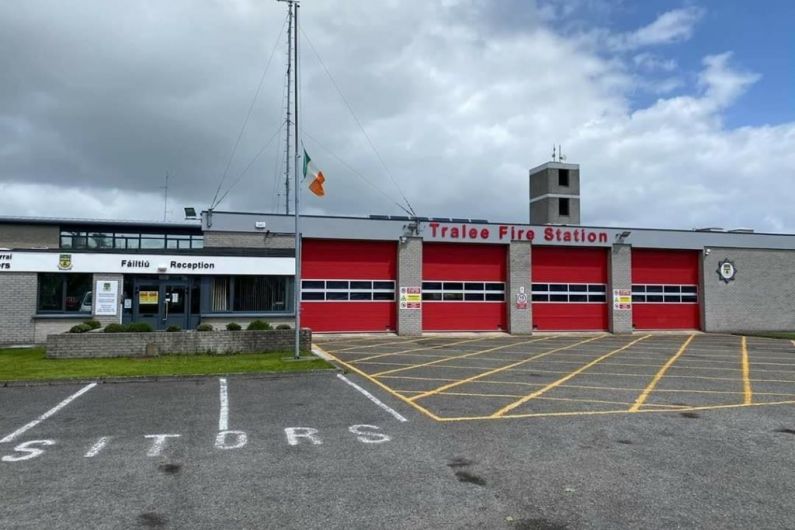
column 620, row 277
column 409, row 275
column 519, row 300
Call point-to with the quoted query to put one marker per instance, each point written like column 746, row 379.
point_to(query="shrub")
column 284, row 326
column 138, row 327
column 233, row 326
column 174, row 328
column 92, row 324
column 80, row 328
column 115, row 328
column 205, row 327
column 259, row 325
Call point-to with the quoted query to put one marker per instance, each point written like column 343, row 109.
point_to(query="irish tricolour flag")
column 316, row 186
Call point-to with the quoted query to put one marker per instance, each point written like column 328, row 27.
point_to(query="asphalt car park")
column 491, row 378
column 341, row 450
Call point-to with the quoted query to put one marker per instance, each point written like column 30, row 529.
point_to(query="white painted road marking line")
column 97, row 447
column 223, row 417
column 374, row 399
column 159, row 442
column 49, row 413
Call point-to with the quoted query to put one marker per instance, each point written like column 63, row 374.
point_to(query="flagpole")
column 296, row 194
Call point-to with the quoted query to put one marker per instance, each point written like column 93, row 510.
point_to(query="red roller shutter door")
column 348, row 286
column 569, row 288
column 463, row 287
column 665, row 289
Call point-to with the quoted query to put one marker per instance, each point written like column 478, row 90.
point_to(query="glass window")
column 654, row 298
column 98, row 240
column 596, row 298
column 578, row 288
column 542, row 287
column 361, row 296
column 383, row 295
column 384, row 285
column 153, row 241
column 472, row 297
column 197, row 242
column 313, row 284
column 689, row 289
column 558, row 298
column 495, row 287
column 59, row 292
column 597, row 288
column 362, row 285
column 654, row 289
column 336, row 284
column 671, row 289
column 638, row 298
column 432, row 286
column 432, row 296
column 259, row 293
column 453, row 296
column 332, row 295
column 540, row 298
column 578, row 298
column 453, row 286
column 473, row 286
column 689, row 299
column 495, row 297
column 559, row 287
column 639, row 289
column 312, row 296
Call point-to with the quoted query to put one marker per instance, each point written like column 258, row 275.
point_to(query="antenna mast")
column 165, row 199
column 288, row 123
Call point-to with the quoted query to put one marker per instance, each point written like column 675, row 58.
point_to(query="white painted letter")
column 294, row 433
column 97, row 447
column 157, row 445
column 240, row 440
column 369, row 437
column 32, row 452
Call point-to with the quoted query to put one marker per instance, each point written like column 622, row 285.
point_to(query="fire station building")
column 396, row 274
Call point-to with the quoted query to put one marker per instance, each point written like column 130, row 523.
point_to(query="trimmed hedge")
column 233, row 326
column 93, row 324
column 284, row 326
column 80, row 328
column 205, row 327
column 173, row 328
column 135, row 327
column 259, row 325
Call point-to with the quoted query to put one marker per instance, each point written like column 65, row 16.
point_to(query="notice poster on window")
column 410, row 298
column 147, row 297
column 622, row 299
column 107, row 292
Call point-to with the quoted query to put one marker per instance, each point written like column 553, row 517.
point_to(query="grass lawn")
column 773, row 334
column 26, row 364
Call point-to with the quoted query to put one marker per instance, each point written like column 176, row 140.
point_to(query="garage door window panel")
column 476, row 291
column 347, row 291
column 664, row 294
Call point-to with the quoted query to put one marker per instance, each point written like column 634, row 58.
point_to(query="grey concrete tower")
column 555, row 194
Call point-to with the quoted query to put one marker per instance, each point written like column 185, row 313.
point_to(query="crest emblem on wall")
column 726, row 270
column 65, row 262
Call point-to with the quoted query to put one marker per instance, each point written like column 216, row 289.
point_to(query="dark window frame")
column 64, row 278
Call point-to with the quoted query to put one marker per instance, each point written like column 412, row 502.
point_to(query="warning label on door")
column 410, row 298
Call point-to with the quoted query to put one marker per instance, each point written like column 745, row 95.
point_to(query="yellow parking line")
column 605, row 412
column 747, row 396
column 545, row 398
column 646, row 391
column 464, row 356
column 562, row 380
column 404, row 341
column 419, row 349
column 502, row 369
column 381, row 385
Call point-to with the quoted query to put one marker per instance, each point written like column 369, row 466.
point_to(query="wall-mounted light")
column 403, row 240
column 190, row 213
column 707, row 251
column 260, row 225
column 623, row 235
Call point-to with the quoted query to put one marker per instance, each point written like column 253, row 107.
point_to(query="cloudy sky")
column 681, row 114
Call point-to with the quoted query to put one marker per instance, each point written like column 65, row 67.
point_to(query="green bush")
column 174, row 328
column 80, row 328
column 115, row 328
column 205, row 327
column 233, row 326
column 139, row 327
column 284, row 326
column 259, row 325
column 92, row 324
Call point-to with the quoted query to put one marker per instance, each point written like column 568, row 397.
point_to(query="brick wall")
column 44, row 327
column 29, row 236
column 409, row 321
column 98, row 344
column 519, row 270
column 619, row 277
column 17, row 307
column 761, row 297
column 247, row 240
